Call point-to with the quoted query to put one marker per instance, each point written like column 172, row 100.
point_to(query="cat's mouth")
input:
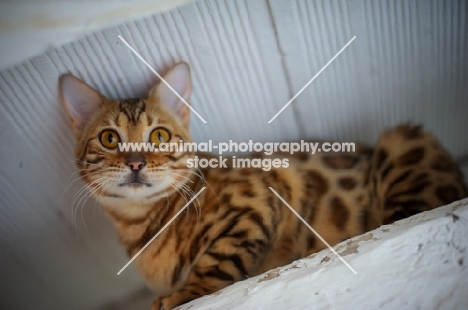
column 135, row 184
column 135, row 181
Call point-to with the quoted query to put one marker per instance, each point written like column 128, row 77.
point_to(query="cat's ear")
column 180, row 80
column 80, row 101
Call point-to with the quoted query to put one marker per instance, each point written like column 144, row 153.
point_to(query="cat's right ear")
column 181, row 83
column 80, row 101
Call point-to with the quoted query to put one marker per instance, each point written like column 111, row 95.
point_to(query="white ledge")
column 417, row 263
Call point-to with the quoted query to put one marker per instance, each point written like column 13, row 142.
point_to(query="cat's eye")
column 159, row 135
column 110, row 139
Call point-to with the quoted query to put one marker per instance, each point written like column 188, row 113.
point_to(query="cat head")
column 101, row 125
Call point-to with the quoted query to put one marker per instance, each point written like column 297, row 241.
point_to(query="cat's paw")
column 158, row 304
column 162, row 303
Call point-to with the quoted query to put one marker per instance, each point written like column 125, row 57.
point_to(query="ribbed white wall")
column 248, row 58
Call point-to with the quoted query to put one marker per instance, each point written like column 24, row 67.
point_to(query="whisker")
column 79, row 161
column 191, row 193
column 80, row 177
column 182, row 194
column 82, row 203
column 179, row 175
column 82, row 192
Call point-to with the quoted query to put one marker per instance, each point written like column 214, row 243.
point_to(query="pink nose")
column 136, row 165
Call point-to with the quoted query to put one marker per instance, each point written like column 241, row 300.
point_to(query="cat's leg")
column 410, row 173
column 202, row 281
column 232, row 256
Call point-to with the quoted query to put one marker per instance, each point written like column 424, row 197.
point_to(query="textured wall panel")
column 408, row 63
column 30, row 27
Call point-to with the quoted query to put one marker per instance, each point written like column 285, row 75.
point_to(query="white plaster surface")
column 416, row 263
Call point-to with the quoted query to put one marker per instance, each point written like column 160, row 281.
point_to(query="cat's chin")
column 133, row 193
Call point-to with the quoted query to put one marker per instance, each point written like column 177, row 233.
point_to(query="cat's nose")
column 136, row 165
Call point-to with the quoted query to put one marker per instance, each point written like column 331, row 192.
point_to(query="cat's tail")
column 411, row 172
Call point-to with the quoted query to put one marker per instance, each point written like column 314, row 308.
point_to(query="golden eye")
column 159, row 135
column 110, row 139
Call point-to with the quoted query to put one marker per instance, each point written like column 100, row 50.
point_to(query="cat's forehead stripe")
column 132, row 108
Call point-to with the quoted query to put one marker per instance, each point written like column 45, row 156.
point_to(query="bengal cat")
column 237, row 227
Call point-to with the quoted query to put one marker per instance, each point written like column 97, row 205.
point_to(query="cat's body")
column 238, row 227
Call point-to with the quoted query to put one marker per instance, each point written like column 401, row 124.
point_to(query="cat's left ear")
column 80, row 101
column 179, row 79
